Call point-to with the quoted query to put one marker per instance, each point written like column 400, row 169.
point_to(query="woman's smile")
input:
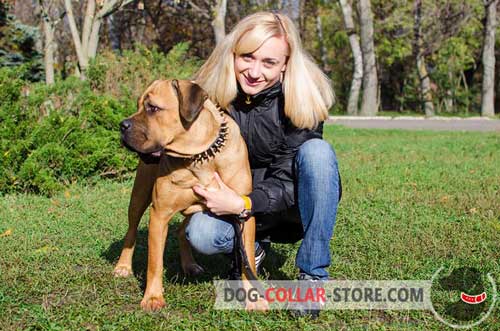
column 252, row 81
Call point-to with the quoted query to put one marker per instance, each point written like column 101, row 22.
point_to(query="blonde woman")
column 280, row 98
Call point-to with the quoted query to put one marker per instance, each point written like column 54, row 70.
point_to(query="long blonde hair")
column 307, row 90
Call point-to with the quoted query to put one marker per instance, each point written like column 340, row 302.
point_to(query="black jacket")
column 272, row 142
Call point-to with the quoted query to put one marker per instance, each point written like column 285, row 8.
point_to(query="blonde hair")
column 307, row 90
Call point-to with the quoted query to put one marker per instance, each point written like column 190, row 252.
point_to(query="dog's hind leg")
column 139, row 202
column 188, row 263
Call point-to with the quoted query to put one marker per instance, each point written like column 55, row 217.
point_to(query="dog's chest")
column 186, row 178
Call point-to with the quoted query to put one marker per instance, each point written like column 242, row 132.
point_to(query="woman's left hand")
column 222, row 201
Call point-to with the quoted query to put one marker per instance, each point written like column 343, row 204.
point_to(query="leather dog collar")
column 215, row 147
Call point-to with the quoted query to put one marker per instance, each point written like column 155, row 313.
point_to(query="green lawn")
column 413, row 201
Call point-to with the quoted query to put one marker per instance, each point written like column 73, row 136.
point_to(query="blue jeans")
column 318, row 194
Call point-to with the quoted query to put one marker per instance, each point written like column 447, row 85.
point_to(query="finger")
column 200, row 191
column 219, row 180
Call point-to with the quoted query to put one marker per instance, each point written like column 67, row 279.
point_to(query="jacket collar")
column 263, row 98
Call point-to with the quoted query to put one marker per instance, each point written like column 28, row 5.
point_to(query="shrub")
column 126, row 76
column 55, row 135
column 51, row 136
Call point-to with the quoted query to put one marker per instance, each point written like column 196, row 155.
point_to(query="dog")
column 177, row 122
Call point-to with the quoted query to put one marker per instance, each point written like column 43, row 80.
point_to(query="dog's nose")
column 125, row 125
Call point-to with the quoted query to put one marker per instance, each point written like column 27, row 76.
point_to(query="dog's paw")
column 260, row 305
column 193, row 269
column 153, row 303
column 122, row 271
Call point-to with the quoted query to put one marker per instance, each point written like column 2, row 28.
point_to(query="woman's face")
column 262, row 68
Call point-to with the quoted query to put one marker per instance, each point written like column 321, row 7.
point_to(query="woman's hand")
column 222, row 201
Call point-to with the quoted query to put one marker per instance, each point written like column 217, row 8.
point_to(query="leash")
column 241, row 255
column 239, row 249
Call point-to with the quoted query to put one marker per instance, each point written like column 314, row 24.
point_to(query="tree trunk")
column 448, row 99
column 94, row 38
column 86, row 46
column 87, row 24
column 292, row 9
column 487, row 102
column 423, row 75
column 48, row 42
column 369, row 104
column 80, row 52
column 357, row 77
column 218, row 23
column 48, row 31
column 322, row 48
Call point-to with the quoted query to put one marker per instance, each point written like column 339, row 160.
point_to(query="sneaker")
column 309, row 309
column 260, row 255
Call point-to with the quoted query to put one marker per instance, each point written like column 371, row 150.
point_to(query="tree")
column 369, row 105
column 216, row 13
column 357, row 77
column 423, row 75
column 292, row 8
column 487, row 102
column 86, row 46
column 50, row 15
column 218, row 23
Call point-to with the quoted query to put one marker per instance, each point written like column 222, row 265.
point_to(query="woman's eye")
column 247, row 57
column 269, row 64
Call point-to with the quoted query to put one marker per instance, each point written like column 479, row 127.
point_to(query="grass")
column 413, row 201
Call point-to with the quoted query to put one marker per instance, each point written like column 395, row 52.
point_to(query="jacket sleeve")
column 274, row 186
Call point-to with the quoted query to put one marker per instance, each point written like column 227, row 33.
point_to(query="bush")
column 51, row 136
column 126, row 76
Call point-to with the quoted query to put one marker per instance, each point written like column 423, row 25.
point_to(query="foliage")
column 17, row 45
column 126, row 76
column 452, row 34
column 51, row 136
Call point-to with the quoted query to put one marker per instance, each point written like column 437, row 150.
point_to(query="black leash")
column 241, row 255
column 239, row 250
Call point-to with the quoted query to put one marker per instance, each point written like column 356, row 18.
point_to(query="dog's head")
column 166, row 109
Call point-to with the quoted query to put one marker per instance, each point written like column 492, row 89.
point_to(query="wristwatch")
column 247, row 211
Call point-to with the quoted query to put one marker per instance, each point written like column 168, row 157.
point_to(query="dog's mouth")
column 143, row 154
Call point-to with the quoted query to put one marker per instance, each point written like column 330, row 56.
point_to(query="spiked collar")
column 215, row 147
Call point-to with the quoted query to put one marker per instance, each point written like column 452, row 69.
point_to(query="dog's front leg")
column 249, row 242
column 158, row 228
column 139, row 202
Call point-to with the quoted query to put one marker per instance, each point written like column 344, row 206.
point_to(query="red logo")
column 473, row 299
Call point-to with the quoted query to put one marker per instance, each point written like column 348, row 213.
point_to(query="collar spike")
column 216, row 145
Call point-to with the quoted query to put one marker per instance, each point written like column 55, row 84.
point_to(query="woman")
column 279, row 98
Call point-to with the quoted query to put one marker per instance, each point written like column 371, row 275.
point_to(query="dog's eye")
column 152, row 108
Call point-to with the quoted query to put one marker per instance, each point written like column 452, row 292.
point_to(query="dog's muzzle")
column 125, row 128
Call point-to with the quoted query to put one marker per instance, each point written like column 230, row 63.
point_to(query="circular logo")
column 462, row 297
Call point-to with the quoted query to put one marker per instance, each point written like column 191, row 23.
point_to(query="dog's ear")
column 191, row 98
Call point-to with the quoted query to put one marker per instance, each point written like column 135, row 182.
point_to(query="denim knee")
column 209, row 235
column 316, row 154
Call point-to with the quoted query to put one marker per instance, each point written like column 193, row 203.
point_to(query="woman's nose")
column 254, row 70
